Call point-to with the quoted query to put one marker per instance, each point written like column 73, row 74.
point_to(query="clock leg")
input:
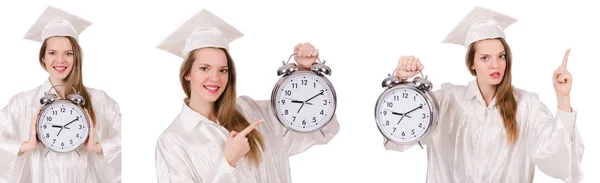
column 322, row 132
column 77, row 151
column 420, row 144
column 47, row 151
column 286, row 131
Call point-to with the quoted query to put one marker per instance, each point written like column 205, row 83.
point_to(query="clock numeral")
column 288, row 92
column 294, row 118
column 321, row 113
column 324, row 102
column 53, row 141
column 314, row 85
column 47, row 135
column 404, row 95
column 303, row 122
column 304, row 82
column 423, row 116
column 314, row 119
column 415, row 98
column 45, row 126
column 420, row 125
column 62, row 144
column 294, row 85
column 80, row 126
column 71, row 112
column 394, row 130
column 62, row 109
column 282, row 101
column 396, row 98
column 49, row 118
column 387, row 123
column 71, row 141
column 77, row 135
column 384, row 113
column 285, row 112
column 412, row 132
column 54, row 113
column 403, row 134
column 390, row 104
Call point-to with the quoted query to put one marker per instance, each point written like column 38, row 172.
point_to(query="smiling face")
column 487, row 59
column 207, row 73
column 58, row 57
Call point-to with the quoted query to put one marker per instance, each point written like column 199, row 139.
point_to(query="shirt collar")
column 190, row 118
column 473, row 92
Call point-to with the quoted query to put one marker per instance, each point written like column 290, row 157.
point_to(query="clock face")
column 304, row 102
column 403, row 115
column 62, row 126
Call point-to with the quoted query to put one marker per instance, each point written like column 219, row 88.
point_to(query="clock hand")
column 58, row 126
column 420, row 107
column 59, row 131
column 306, row 101
column 300, row 102
column 293, row 100
column 321, row 93
column 397, row 113
column 76, row 119
column 300, row 108
column 400, row 120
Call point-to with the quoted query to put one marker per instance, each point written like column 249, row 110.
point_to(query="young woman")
column 218, row 137
column 24, row 159
column 489, row 130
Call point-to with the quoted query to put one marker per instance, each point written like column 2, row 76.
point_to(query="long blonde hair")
column 225, row 106
column 74, row 78
column 505, row 98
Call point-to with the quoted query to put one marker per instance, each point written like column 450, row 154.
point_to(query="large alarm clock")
column 303, row 100
column 62, row 125
column 407, row 110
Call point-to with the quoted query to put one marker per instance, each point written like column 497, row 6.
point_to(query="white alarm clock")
column 407, row 111
column 62, row 125
column 303, row 100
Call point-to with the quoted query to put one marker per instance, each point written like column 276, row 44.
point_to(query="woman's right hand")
column 408, row 66
column 32, row 142
column 237, row 145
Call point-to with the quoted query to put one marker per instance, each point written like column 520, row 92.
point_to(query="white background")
column 360, row 41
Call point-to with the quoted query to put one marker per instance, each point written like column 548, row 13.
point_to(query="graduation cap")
column 204, row 29
column 56, row 22
column 479, row 24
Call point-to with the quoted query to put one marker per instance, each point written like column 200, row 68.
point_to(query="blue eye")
column 484, row 58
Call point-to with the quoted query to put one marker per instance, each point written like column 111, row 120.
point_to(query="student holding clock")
column 218, row 137
column 490, row 131
column 60, row 131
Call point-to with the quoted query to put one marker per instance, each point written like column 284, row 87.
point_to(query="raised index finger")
column 566, row 59
column 249, row 128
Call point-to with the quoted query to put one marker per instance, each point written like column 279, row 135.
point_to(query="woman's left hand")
column 91, row 145
column 562, row 81
column 305, row 55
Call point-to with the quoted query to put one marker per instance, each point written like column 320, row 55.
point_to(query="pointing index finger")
column 249, row 128
column 566, row 59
